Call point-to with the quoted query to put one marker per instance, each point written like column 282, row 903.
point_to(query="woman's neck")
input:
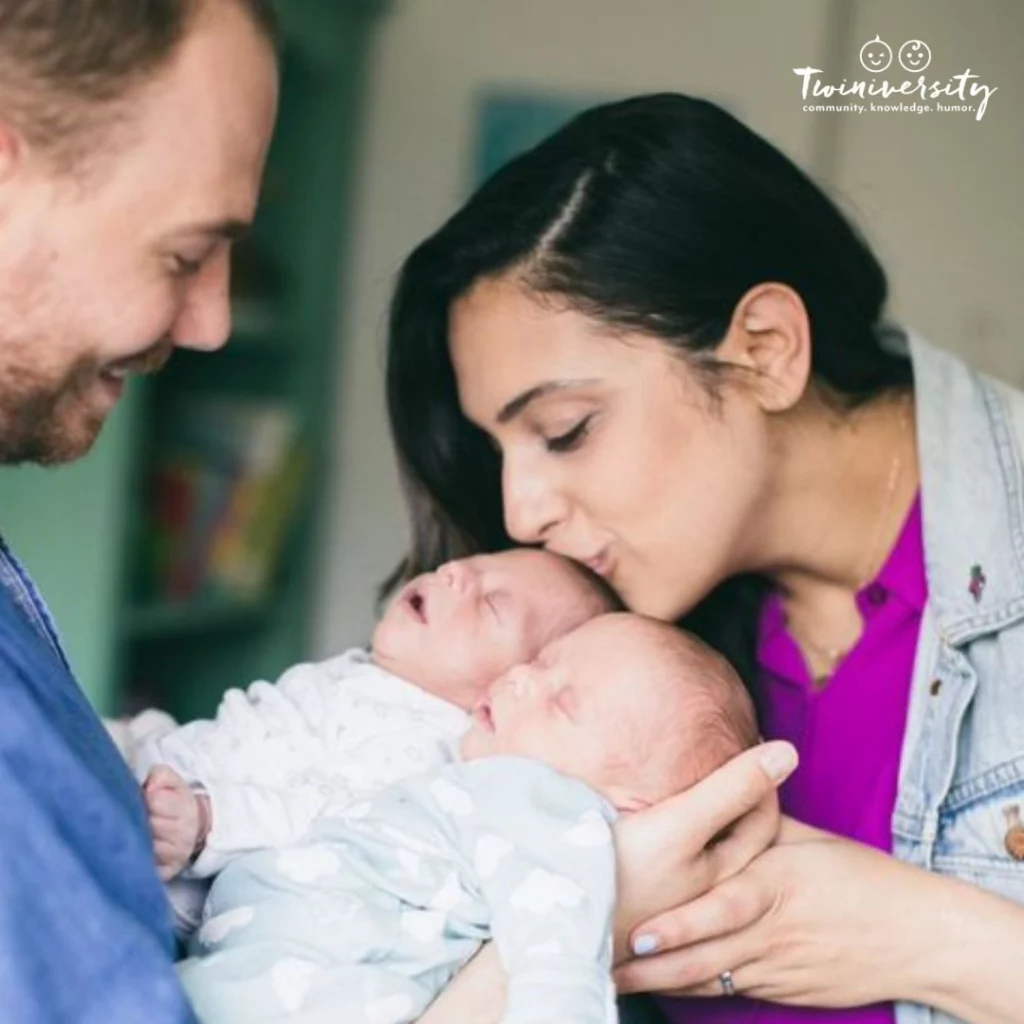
column 844, row 487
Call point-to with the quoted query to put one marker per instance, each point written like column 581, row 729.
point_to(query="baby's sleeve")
column 541, row 850
column 261, row 735
column 253, row 760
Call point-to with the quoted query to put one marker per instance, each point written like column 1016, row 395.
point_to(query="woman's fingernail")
column 779, row 760
column 644, row 945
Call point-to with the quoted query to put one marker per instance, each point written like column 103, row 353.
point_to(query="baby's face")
column 455, row 630
column 587, row 705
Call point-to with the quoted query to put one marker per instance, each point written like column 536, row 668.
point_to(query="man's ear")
column 770, row 335
column 13, row 150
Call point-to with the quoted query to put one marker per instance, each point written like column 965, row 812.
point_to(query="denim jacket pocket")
column 981, row 830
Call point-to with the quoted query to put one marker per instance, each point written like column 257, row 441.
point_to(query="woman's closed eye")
column 571, row 439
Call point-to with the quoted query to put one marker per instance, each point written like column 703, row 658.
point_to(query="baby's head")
column 455, row 630
column 634, row 707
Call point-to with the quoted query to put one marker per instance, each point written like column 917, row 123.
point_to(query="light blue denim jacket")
column 962, row 768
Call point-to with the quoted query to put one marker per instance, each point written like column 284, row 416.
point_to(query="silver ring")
column 728, row 985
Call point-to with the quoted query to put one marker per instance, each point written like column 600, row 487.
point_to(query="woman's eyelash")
column 571, row 439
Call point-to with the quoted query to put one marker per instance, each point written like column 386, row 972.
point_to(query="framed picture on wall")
column 510, row 122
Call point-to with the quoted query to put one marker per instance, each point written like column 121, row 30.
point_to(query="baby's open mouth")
column 418, row 605
column 482, row 713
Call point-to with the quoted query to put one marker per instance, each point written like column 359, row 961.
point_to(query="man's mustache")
column 152, row 360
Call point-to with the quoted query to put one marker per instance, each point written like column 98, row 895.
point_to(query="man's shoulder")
column 75, row 798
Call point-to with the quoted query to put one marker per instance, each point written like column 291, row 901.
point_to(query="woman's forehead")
column 504, row 343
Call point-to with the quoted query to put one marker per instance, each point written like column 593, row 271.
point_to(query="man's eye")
column 571, row 439
column 185, row 267
column 493, row 605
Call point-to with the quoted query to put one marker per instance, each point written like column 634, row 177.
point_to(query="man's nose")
column 204, row 323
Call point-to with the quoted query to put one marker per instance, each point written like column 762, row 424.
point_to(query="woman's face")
column 613, row 451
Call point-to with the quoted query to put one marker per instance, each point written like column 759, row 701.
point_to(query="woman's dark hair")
column 655, row 214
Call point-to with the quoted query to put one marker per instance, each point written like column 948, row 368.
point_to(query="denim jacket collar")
column 973, row 497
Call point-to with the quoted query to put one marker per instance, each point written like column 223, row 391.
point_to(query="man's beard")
column 50, row 423
column 35, row 422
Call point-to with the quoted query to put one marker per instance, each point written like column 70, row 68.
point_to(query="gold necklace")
column 831, row 656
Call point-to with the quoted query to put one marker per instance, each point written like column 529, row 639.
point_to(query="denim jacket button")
column 1015, row 842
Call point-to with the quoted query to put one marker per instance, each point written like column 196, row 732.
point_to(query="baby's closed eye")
column 568, row 703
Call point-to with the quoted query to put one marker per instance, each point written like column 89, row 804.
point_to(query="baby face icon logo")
column 915, row 55
column 876, row 55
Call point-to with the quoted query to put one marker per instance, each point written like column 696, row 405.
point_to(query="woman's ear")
column 770, row 334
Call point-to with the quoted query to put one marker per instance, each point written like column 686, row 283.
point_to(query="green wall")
column 67, row 525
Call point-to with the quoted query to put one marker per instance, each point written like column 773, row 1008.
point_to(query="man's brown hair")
column 65, row 65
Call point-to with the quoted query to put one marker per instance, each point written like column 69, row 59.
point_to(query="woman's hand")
column 682, row 848
column 670, row 853
column 814, row 921
column 476, row 995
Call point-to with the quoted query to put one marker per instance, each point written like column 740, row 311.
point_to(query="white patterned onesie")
column 371, row 916
column 276, row 754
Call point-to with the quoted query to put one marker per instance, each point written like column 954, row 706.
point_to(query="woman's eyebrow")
column 513, row 408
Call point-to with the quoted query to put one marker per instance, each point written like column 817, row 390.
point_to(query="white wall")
column 433, row 59
column 943, row 194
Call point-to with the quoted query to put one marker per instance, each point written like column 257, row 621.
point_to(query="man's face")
column 107, row 275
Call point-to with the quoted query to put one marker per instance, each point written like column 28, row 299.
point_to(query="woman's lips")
column 601, row 563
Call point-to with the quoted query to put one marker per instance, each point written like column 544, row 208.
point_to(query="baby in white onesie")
column 258, row 774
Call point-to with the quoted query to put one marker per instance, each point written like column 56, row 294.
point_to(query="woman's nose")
column 531, row 506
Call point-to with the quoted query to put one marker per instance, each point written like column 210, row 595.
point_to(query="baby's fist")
column 178, row 820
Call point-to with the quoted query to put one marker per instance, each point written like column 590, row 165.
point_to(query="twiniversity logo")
column 963, row 93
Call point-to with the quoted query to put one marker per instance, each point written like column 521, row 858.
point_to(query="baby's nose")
column 457, row 576
column 520, row 681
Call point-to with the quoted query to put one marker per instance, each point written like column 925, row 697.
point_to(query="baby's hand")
column 178, row 818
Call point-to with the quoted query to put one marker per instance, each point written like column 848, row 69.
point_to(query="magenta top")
column 850, row 737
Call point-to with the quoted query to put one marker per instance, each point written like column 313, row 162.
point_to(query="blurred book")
column 227, row 485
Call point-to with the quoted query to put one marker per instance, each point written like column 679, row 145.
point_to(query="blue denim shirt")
column 962, row 769
column 85, row 934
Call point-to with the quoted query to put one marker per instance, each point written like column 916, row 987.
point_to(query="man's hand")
column 179, row 819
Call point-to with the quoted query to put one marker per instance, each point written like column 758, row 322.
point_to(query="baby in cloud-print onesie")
column 367, row 920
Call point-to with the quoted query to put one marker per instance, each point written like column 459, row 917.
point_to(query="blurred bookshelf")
column 228, row 479
column 179, row 558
